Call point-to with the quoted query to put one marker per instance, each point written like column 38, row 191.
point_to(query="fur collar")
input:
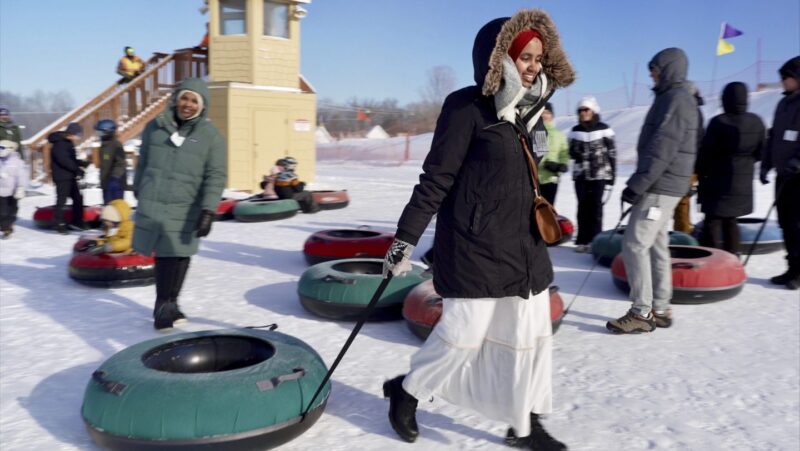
column 555, row 65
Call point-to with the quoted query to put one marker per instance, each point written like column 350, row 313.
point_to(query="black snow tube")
column 699, row 275
column 229, row 389
column 342, row 289
column 771, row 239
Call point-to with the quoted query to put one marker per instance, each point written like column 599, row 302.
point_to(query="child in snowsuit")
column 288, row 186
column 118, row 227
column 13, row 179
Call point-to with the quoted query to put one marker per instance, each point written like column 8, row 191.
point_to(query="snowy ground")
column 726, row 376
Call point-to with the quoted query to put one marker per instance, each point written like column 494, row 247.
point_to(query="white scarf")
column 513, row 98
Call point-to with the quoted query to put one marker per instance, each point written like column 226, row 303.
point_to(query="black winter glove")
column 763, row 177
column 83, row 163
column 563, row 167
column 630, row 196
column 552, row 166
column 204, row 223
column 611, row 182
column 793, row 165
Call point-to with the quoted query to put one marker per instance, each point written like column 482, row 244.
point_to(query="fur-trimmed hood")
column 493, row 40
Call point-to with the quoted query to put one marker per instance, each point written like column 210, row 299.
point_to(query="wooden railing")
column 130, row 105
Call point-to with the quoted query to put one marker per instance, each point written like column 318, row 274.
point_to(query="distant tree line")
column 358, row 115
column 37, row 110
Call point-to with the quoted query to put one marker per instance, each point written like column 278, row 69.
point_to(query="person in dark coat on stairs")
column 179, row 180
column 732, row 144
column 492, row 348
column 113, row 165
column 66, row 170
column 783, row 155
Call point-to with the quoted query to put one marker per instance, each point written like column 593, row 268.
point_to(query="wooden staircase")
column 131, row 105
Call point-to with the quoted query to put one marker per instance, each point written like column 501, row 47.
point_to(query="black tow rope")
column 367, row 312
column 597, row 258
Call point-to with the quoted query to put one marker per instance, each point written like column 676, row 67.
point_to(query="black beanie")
column 791, row 68
column 549, row 107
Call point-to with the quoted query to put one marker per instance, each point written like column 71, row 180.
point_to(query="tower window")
column 276, row 19
column 232, row 17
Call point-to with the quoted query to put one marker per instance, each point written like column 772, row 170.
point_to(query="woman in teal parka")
column 179, row 180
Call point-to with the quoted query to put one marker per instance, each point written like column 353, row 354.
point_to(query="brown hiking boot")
column 632, row 323
column 663, row 318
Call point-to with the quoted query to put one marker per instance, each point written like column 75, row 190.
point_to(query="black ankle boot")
column 165, row 316
column 402, row 409
column 539, row 439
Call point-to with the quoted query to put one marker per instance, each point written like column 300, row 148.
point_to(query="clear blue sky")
column 383, row 48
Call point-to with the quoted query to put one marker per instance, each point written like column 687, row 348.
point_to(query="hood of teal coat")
column 167, row 118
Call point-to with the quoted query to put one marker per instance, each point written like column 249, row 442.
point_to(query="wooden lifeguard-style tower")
column 259, row 100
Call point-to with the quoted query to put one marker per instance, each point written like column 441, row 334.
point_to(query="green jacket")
column 175, row 184
column 557, row 151
column 11, row 132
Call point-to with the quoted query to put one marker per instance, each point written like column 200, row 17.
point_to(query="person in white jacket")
column 13, row 179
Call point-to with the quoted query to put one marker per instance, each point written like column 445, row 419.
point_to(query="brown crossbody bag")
column 544, row 214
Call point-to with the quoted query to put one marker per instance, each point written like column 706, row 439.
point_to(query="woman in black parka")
column 732, row 144
column 492, row 348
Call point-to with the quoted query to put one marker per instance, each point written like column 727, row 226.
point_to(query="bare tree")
column 441, row 82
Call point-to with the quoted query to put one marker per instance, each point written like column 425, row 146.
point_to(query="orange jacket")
column 130, row 67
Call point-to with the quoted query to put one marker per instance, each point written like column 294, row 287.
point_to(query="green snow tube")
column 341, row 289
column 218, row 390
column 607, row 244
column 258, row 210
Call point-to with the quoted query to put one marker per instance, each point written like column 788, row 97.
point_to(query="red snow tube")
column 44, row 217
column 329, row 245
column 225, row 209
column 567, row 229
column 111, row 270
column 422, row 309
column 699, row 274
column 331, row 200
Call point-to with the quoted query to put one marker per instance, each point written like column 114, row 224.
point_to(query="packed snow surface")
column 724, row 377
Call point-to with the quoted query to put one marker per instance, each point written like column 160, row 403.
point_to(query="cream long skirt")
column 491, row 355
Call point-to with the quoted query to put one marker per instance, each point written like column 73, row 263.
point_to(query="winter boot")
column 793, row 284
column 165, row 316
column 663, row 318
column 631, row 323
column 62, row 229
column 792, row 273
column 538, row 440
column 7, row 233
column 181, row 267
column 402, row 409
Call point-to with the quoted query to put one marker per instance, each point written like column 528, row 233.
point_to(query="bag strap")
column 531, row 165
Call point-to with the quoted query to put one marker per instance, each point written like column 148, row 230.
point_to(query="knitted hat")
column 549, row 107
column 4, row 111
column 200, row 104
column 74, row 128
column 791, row 68
column 521, row 40
column 591, row 103
column 110, row 213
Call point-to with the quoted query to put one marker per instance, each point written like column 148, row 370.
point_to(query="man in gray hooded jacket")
column 666, row 152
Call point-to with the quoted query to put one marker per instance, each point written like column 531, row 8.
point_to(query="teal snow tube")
column 607, row 244
column 217, row 390
column 341, row 289
column 259, row 210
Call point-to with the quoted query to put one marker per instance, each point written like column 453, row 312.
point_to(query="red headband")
column 522, row 39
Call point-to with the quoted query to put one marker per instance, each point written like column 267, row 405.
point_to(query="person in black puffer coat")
column 591, row 145
column 783, row 155
column 731, row 146
column 492, row 348
column 66, row 169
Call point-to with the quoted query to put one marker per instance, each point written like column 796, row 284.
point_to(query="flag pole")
column 716, row 57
